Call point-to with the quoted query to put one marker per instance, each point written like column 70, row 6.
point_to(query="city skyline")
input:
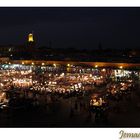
column 71, row 27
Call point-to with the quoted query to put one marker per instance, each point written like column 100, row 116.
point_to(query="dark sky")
column 72, row 27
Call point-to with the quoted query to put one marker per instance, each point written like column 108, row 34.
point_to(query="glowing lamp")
column 54, row 65
column 68, row 65
column 121, row 67
column 96, row 66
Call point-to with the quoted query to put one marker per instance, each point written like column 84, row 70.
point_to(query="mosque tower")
column 31, row 41
column 30, row 38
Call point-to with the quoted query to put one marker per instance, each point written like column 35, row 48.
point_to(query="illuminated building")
column 31, row 50
column 30, row 38
column 31, row 42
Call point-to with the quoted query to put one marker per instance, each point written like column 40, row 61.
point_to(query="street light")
column 121, row 67
column 68, row 65
column 103, row 69
column 54, row 65
column 43, row 64
column 96, row 66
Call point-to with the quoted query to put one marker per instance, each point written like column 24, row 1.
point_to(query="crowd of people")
column 46, row 84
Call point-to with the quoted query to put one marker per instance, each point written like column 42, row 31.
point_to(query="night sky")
column 72, row 27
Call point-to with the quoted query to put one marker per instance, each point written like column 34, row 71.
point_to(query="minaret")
column 30, row 38
column 31, row 53
column 31, row 42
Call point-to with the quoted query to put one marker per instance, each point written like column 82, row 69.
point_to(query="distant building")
column 30, row 38
column 25, row 51
column 30, row 51
column 30, row 41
